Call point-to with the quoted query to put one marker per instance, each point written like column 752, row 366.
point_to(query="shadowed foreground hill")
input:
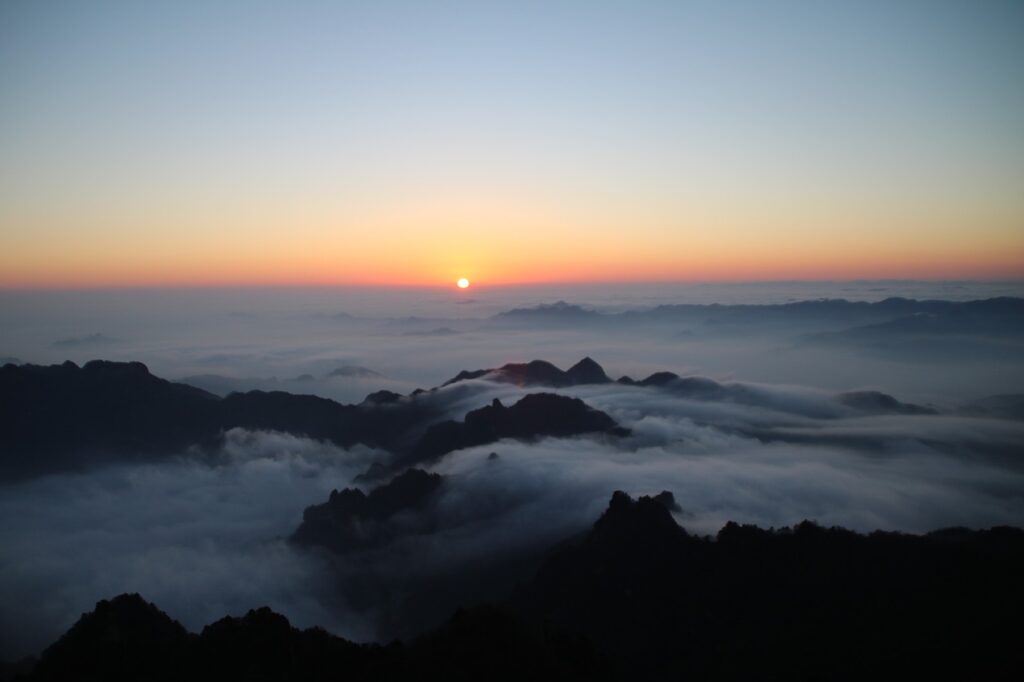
column 127, row 639
column 637, row 597
column 801, row 603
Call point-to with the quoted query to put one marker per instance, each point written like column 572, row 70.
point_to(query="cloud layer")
column 205, row 539
column 211, row 539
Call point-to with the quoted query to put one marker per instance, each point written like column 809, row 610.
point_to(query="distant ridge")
column 558, row 312
column 538, row 373
column 822, row 311
column 66, row 417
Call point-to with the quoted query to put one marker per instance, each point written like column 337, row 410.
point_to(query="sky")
column 413, row 143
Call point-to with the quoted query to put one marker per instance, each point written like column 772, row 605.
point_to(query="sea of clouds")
column 207, row 538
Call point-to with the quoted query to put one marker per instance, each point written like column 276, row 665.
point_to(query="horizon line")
column 475, row 284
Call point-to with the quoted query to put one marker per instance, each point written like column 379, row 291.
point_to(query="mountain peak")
column 119, row 639
column 539, row 373
column 586, row 371
column 646, row 520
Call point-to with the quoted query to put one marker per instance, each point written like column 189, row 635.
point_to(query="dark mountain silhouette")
column 58, row 417
column 65, row 416
column 263, row 645
column 466, row 375
column 535, row 415
column 351, row 519
column 795, row 603
column 586, row 371
column 657, row 379
column 538, row 373
column 127, row 639
column 374, row 533
column 873, row 402
column 382, row 397
column 638, row 598
column 124, row 638
column 702, row 388
column 534, row 373
column 369, row 530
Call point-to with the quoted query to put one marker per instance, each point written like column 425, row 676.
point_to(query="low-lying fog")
column 345, row 343
column 207, row 539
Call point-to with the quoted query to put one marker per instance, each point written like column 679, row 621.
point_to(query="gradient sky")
column 384, row 142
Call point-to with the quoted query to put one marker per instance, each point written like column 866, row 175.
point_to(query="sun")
column 463, row 283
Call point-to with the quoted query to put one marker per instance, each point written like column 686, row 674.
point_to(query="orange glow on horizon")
column 541, row 273
column 520, row 248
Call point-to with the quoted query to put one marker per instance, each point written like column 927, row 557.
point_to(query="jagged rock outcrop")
column 538, row 373
column 130, row 640
column 352, row 519
column 795, row 603
column 534, row 416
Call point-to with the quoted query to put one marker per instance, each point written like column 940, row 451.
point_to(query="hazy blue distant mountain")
column 991, row 329
column 998, row 316
column 79, row 341
column 1007, row 406
column 873, row 402
column 353, row 371
column 437, row 331
column 559, row 313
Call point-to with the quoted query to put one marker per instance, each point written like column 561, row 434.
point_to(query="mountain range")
column 636, row 597
column 66, row 417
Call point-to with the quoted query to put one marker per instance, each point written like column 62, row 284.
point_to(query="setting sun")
column 463, row 283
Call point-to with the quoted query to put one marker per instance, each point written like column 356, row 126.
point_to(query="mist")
column 204, row 539
column 209, row 537
column 774, row 444
column 293, row 339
